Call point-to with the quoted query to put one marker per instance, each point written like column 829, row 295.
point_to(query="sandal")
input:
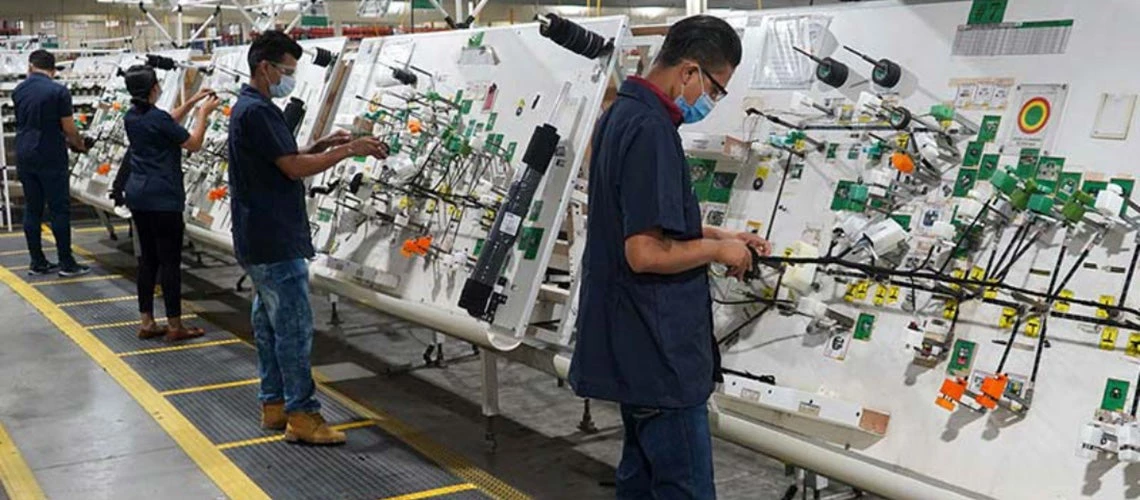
column 184, row 333
column 152, row 332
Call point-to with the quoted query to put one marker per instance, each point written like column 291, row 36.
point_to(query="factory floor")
column 88, row 415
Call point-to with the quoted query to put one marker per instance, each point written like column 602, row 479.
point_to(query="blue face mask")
column 283, row 87
column 693, row 113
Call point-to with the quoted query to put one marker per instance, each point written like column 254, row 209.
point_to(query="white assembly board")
column 207, row 195
column 93, row 172
column 412, row 226
column 1070, row 69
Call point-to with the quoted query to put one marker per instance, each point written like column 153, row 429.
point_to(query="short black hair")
column 140, row 80
column 272, row 46
column 709, row 41
column 42, row 59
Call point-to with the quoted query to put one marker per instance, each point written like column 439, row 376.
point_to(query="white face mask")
column 284, row 86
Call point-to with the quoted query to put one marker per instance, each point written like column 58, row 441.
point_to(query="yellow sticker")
column 1133, row 348
column 990, row 293
column 902, row 140
column 405, row 202
column 1108, row 338
column 977, row 273
column 754, row 226
column 849, row 295
column 957, row 274
column 949, row 309
column 1033, row 326
column 1063, row 305
column 762, row 172
column 799, row 145
column 880, row 295
column 788, row 252
column 1008, row 316
column 1108, row 300
column 893, row 296
column 862, row 289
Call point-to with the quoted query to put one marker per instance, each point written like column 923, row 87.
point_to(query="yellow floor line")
column 182, row 347
column 214, row 387
column 21, row 252
column 107, row 300
column 25, row 267
column 96, row 229
column 280, row 437
column 129, row 323
column 453, row 462
column 229, row 478
column 436, row 492
column 15, row 476
column 84, row 279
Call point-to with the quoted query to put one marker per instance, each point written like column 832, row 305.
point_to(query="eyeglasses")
column 285, row 70
column 721, row 92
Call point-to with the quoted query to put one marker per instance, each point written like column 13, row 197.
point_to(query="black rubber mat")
column 109, row 312
column 125, row 338
column 8, row 258
column 87, row 290
column 371, row 465
column 95, row 271
column 233, row 414
column 463, row 495
column 209, row 365
column 10, row 242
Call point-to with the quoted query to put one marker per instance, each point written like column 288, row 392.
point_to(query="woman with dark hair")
column 156, row 197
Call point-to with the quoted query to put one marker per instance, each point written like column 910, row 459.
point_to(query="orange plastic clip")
column 951, row 393
column 226, row 110
column 83, row 118
column 414, row 126
column 416, row 246
column 992, row 389
column 903, row 162
column 104, row 169
column 217, row 193
column 116, row 105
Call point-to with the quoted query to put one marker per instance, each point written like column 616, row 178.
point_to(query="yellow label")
column 1063, row 305
column 1033, row 326
column 762, row 172
column 1133, row 348
column 1008, row 316
column 990, row 293
column 788, row 252
column 1108, row 300
column 755, row 226
column 957, row 274
column 902, row 140
column 849, row 295
column 405, row 202
column 1108, row 338
column 430, row 207
column 949, row 309
column 893, row 296
column 799, row 145
column 880, row 295
column 977, row 273
column 862, row 289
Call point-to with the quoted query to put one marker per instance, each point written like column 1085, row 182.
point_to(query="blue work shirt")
column 40, row 104
column 155, row 182
column 643, row 339
column 270, row 223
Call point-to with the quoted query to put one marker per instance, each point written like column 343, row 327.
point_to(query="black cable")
column 1013, row 242
column 962, row 237
column 1136, row 395
column 779, row 195
column 1017, row 256
column 1053, row 289
column 1128, row 277
column 1009, row 344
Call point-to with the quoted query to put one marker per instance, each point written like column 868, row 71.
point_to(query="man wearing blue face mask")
column 271, row 234
column 645, row 329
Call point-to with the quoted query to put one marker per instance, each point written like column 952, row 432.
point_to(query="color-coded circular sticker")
column 1034, row 115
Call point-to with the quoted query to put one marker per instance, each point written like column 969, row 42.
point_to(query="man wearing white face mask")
column 645, row 330
column 271, row 234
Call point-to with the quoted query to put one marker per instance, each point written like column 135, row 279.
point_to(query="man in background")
column 45, row 130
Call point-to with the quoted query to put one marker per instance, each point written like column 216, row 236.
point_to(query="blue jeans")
column 47, row 186
column 666, row 455
column 283, row 327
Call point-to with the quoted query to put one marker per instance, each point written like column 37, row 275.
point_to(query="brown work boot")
column 310, row 428
column 273, row 416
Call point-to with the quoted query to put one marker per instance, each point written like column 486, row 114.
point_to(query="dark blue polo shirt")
column 155, row 182
column 643, row 339
column 270, row 223
column 40, row 104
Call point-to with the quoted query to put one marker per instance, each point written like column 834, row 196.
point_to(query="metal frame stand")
column 807, row 480
column 490, row 371
column 106, row 221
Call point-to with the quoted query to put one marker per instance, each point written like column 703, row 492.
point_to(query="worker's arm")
column 654, row 253
column 300, row 165
column 74, row 140
column 334, row 139
column 762, row 246
column 180, row 112
column 194, row 142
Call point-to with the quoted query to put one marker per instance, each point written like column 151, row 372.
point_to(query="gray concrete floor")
column 540, row 449
column 81, row 434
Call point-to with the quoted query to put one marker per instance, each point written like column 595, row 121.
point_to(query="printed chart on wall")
column 780, row 67
column 1036, row 115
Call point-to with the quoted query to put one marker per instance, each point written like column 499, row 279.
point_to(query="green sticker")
column 797, row 171
column 529, row 242
column 510, row 150
column 324, row 215
column 973, row 154
column 491, row 121
column 478, row 247
column 1093, row 187
column 989, row 128
column 966, row 179
column 1027, row 163
column 961, row 358
column 1049, row 168
column 465, row 107
column 864, row 326
column 701, row 174
column 1067, row 184
column 987, row 167
column 535, row 211
column 903, row 220
column 853, row 152
column 1115, row 395
column 832, row 150
column 849, row 196
column 721, row 188
column 987, row 12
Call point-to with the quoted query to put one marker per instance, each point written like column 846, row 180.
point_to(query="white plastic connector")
column 1128, row 439
column 885, row 236
column 852, row 225
column 1110, row 201
column 869, row 103
column 811, row 306
column 942, row 229
column 402, row 169
column 800, row 277
column 968, row 209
